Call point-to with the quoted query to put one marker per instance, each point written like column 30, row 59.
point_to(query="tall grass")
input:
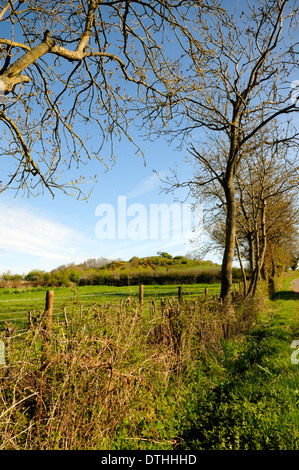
column 251, row 402
column 116, row 378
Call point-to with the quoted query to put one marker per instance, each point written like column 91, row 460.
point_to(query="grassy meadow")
column 16, row 302
column 183, row 376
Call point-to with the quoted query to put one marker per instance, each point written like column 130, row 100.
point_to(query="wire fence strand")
column 20, row 318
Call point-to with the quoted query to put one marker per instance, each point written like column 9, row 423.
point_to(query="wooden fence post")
column 9, row 330
column 153, row 309
column 48, row 324
column 180, row 294
column 2, row 353
column 141, row 294
column 163, row 303
column 206, row 291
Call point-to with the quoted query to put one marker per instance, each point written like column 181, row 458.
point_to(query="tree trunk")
column 229, row 250
column 260, row 254
column 242, row 268
column 251, row 251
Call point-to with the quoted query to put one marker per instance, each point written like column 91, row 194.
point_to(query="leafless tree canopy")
column 236, row 75
column 235, row 79
column 71, row 75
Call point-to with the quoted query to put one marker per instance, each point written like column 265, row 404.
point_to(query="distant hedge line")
column 151, row 278
column 124, row 278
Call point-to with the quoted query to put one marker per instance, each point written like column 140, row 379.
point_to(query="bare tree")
column 71, row 75
column 231, row 83
column 266, row 194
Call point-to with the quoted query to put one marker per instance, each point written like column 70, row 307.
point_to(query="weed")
column 252, row 403
column 181, row 375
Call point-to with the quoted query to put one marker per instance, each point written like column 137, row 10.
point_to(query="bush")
column 152, row 277
column 113, row 378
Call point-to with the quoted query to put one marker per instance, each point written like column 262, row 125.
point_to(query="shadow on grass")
column 285, row 295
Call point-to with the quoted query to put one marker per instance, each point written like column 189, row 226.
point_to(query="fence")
column 22, row 317
column 49, row 311
column 12, row 312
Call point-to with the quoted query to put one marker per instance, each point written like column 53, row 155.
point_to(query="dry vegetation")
column 116, row 378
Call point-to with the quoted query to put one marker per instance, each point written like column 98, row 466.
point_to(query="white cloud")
column 27, row 233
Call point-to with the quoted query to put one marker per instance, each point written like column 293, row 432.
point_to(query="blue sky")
column 43, row 233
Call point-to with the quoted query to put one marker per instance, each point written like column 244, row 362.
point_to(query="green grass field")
column 16, row 303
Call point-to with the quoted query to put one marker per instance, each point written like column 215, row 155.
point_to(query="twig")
column 13, row 406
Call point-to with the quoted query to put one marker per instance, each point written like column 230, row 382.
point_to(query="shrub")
column 111, row 379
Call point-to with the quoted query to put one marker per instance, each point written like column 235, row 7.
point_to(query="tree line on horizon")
column 161, row 269
column 103, row 270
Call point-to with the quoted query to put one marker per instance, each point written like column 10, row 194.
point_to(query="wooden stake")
column 48, row 323
column 180, row 294
column 141, row 294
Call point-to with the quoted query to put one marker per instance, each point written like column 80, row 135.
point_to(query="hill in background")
column 160, row 269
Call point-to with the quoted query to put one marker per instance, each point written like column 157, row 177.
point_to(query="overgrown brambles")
column 112, row 378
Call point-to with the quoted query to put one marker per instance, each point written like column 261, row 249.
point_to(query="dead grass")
column 114, row 378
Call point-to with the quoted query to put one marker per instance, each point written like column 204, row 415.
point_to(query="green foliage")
column 8, row 276
column 164, row 254
column 161, row 269
column 186, row 375
column 35, row 276
column 252, row 403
